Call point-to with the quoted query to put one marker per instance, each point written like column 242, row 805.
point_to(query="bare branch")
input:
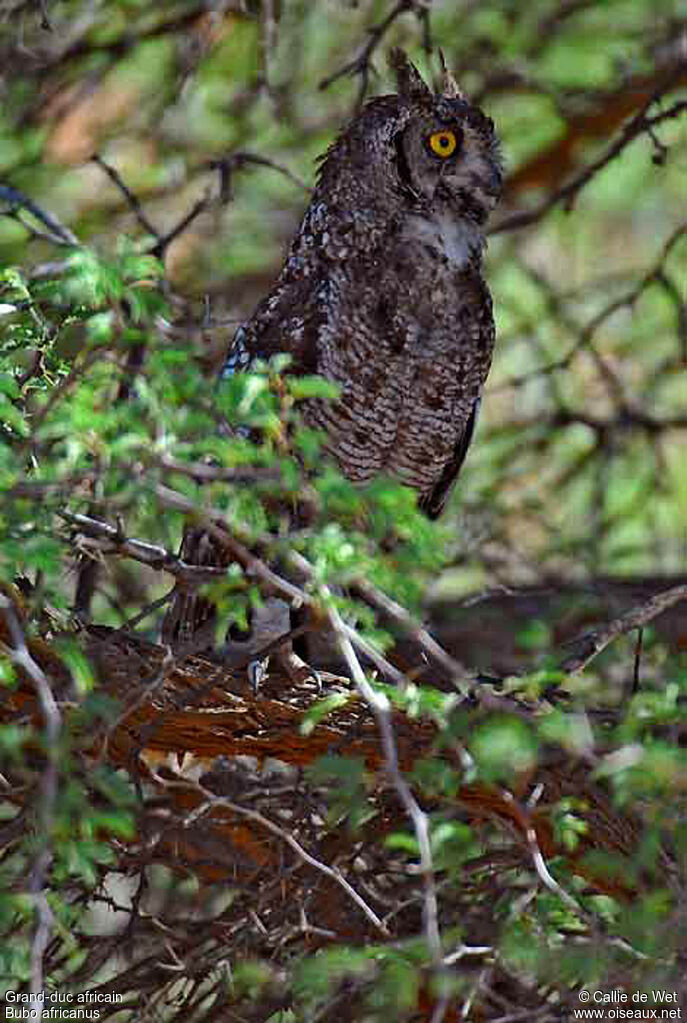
column 217, row 802
column 164, row 241
column 58, row 233
column 36, row 489
column 380, row 707
column 547, row 877
column 131, row 198
column 587, row 332
column 241, row 158
column 592, row 643
column 110, row 540
column 639, row 125
column 362, row 64
column 204, row 473
column 385, row 604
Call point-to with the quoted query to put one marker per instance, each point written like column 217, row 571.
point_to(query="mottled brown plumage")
column 383, row 293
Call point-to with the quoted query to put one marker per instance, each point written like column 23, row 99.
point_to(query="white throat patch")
column 457, row 240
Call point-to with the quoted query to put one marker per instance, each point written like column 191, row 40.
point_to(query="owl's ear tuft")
column 410, row 82
column 449, row 86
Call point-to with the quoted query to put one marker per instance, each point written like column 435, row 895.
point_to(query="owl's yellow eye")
column 443, row 143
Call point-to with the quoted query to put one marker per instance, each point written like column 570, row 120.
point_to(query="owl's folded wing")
column 432, row 504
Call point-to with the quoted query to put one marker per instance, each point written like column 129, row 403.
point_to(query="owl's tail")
column 189, row 623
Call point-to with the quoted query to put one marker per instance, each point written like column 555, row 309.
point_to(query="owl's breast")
column 410, row 352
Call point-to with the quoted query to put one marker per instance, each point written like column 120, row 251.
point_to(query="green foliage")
column 70, row 833
column 347, row 786
column 108, row 399
column 502, row 747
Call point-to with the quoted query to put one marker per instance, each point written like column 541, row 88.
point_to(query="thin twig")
column 164, row 241
column 216, row 802
column 111, row 541
column 59, row 234
column 361, row 65
column 637, row 660
column 149, row 687
column 547, row 878
column 243, row 158
column 131, row 198
column 131, row 623
column 550, row 882
column 381, row 708
column 398, row 614
column 593, row 642
column 567, row 194
column 587, row 333
column 81, row 364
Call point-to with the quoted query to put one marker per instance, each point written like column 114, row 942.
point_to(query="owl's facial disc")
column 448, row 160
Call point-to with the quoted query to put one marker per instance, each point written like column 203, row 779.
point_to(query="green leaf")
column 503, row 747
column 322, row 709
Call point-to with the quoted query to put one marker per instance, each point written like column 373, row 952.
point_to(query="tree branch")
column 58, row 233
column 213, row 802
column 381, row 708
column 362, row 64
column 111, row 540
column 567, row 194
column 593, row 642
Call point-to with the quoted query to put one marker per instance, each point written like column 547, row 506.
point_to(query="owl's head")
column 447, row 155
column 429, row 153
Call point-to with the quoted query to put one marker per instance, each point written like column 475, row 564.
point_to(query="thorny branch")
column 112, row 539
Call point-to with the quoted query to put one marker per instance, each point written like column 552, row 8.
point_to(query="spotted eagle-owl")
column 383, row 290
